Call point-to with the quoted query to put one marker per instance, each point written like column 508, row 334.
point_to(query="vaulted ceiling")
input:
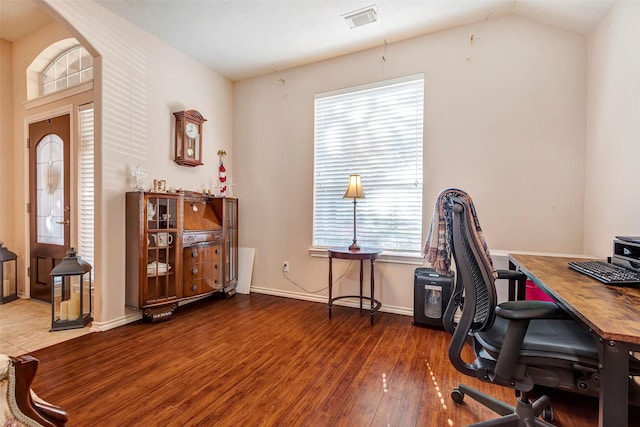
column 244, row 38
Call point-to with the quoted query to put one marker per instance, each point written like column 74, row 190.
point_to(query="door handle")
column 66, row 222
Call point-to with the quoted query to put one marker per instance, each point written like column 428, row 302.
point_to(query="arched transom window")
column 71, row 68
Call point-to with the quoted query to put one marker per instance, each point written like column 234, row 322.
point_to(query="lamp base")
column 354, row 246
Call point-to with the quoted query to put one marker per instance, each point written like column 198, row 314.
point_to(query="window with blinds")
column 86, row 184
column 374, row 131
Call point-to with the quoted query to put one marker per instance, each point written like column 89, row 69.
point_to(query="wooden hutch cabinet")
column 179, row 247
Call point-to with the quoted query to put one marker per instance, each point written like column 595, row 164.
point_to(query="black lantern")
column 9, row 275
column 70, row 280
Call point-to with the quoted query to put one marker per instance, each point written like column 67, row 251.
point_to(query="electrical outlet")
column 285, row 266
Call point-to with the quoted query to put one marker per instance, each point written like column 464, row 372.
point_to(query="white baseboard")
column 134, row 316
column 114, row 323
column 323, row 300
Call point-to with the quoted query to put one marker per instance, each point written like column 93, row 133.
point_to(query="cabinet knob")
column 194, row 253
column 216, row 281
column 216, row 251
column 215, row 266
column 194, row 270
column 194, row 287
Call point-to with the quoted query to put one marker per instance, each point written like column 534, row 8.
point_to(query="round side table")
column 360, row 255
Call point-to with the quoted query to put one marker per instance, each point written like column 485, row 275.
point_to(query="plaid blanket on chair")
column 437, row 248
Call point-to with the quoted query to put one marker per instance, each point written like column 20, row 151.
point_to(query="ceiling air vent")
column 361, row 17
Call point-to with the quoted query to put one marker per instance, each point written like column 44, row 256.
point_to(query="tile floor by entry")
column 24, row 327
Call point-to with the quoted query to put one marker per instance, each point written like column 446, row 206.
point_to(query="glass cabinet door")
column 162, row 249
column 231, row 240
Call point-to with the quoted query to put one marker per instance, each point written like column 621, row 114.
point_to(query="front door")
column 49, row 213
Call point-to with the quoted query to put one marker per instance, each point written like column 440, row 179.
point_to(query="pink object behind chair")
column 534, row 293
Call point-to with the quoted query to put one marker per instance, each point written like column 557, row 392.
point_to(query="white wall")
column 140, row 82
column 613, row 149
column 504, row 120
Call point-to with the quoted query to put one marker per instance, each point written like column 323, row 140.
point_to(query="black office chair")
column 517, row 344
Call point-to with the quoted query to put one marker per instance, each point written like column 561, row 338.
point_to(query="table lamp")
column 354, row 191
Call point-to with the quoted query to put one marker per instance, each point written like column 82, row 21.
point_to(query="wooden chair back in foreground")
column 19, row 405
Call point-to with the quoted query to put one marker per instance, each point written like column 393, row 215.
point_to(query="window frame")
column 67, row 74
column 395, row 87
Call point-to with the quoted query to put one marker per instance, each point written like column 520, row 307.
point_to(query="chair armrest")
column 527, row 310
column 511, row 275
column 53, row 413
column 519, row 314
column 517, row 283
column 33, row 407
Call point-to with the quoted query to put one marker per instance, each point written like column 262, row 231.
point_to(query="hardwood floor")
column 259, row 360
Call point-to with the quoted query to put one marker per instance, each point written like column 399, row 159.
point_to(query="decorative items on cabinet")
column 188, row 138
column 71, row 293
column 139, row 174
column 9, row 275
column 159, row 185
column 179, row 246
column 222, row 173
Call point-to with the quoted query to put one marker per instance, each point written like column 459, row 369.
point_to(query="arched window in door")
column 50, row 190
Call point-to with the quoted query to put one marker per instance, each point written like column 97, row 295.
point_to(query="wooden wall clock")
column 188, row 139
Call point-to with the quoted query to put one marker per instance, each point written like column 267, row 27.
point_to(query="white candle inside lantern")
column 64, row 310
column 74, row 306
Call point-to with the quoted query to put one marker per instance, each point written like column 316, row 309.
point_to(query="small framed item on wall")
column 188, row 138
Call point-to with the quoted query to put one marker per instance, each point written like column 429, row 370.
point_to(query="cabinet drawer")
column 202, row 255
column 190, row 239
column 202, row 269
column 200, row 286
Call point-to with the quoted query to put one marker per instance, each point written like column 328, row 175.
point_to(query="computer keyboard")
column 606, row 273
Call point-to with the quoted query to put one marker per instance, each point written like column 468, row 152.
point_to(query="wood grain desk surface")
column 613, row 312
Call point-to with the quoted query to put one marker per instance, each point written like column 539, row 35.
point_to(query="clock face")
column 191, row 130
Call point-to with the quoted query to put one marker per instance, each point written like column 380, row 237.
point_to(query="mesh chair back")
column 474, row 295
column 476, row 279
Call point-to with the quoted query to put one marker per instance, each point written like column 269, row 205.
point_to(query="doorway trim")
column 73, row 204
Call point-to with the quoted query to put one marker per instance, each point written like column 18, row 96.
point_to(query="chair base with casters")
column 524, row 414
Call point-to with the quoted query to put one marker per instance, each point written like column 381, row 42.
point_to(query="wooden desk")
column 611, row 312
column 361, row 255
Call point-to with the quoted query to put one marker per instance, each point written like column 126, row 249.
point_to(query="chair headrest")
column 439, row 239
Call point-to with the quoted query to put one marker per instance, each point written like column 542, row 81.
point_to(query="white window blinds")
column 375, row 131
column 86, row 184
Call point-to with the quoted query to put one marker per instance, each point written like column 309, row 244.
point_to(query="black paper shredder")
column 431, row 295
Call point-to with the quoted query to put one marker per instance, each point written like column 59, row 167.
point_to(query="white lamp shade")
column 354, row 190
